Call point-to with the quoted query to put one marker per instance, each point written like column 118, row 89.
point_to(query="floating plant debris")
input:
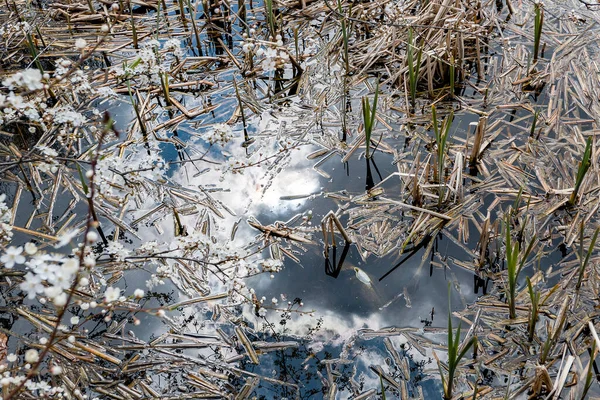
column 444, row 138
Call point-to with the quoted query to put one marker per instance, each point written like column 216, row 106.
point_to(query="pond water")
column 224, row 190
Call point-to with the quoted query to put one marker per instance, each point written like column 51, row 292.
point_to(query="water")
column 340, row 323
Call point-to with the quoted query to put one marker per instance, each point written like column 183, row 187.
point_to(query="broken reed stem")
column 478, row 140
column 182, row 14
column 538, row 23
column 452, row 76
column 192, row 11
column 332, row 217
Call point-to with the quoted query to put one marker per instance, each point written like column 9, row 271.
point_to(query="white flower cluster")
column 55, row 270
column 5, row 217
column 14, row 106
column 78, row 79
column 162, row 271
column 65, row 115
column 174, row 45
column 28, row 79
column 117, row 250
column 150, row 62
column 136, row 167
column 39, row 388
column 272, row 53
column 220, row 133
column 272, row 265
column 49, row 165
column 9, row 29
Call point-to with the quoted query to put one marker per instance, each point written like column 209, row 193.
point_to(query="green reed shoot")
column 534, row 297
column 441, row 140
column 84, row 186
column 344, row 36
column 537, row 34
column 34, row 54
column 456, row 352
column 513, row 266
column 382, row 388
column 589, row 375
column 553, row 334
column 135, row 106
column 584, row 262
column 192, row 11
column 584, row 166
column 133, row 29
column 164, row 82
column 534, row 123
column 369, row 121
column 346, row 57
column 270, row 17
column 413, row 68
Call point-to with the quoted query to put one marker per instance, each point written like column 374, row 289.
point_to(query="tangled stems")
column 108, row 126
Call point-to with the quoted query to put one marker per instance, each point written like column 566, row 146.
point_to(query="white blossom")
column 30, row 248
column 32, row 356
column 32, row 285
column 65, row 238
column 112, row 294
column 80, row 43
column 29, row 79
column 12, row 256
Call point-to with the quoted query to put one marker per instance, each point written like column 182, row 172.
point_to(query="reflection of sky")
column 345, row 304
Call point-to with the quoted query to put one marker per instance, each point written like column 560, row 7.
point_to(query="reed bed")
column 532, row 162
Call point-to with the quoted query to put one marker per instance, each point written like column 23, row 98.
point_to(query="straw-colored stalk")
column 538, row 23
column 192, row 11
column 164, row 81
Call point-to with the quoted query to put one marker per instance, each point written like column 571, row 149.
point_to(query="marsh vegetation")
column 174, row 175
